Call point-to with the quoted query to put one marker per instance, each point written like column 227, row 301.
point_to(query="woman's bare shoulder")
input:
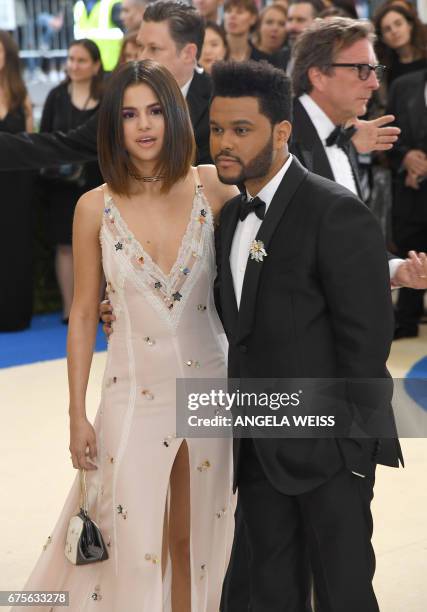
column 91, row 204
column 209, row 175
column 93, row 199
column 217, row 193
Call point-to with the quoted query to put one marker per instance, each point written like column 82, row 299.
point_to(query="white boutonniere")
column 257, row 250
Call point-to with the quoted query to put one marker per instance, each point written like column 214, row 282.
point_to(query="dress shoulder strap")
column 197, row 182
column 106, row 193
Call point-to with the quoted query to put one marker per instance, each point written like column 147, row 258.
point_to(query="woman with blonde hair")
column 270, row 36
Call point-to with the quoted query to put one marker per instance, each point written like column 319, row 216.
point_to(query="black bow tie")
column 340, row 136
column 255, row 205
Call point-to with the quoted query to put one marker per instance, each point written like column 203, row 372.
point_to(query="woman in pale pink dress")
column 163, row 503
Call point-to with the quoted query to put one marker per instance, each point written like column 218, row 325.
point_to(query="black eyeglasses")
column 364, row 70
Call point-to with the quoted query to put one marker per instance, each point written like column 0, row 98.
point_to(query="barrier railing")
column 42, row 28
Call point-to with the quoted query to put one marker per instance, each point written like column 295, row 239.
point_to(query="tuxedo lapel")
column 227, row 228
column 307, row 145
column 310, row 150
column 354, row 163
column 198, row 97
column 294, row 176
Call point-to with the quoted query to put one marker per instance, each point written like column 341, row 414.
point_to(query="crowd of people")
column 235, row 169
column 234, row 30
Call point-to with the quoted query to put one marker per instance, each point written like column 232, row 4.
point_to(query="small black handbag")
column 84, row 543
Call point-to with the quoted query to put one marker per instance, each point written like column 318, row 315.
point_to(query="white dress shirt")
column 247, row 230
column 338, row 160
column 186, row 87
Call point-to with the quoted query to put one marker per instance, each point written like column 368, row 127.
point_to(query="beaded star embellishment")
column 257, row 250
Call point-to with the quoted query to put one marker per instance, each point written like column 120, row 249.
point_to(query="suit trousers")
column 328, row 528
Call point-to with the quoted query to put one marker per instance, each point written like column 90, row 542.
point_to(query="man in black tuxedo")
column 407, row 100
column 171, row 33
column 297, row 313
column 319, row 138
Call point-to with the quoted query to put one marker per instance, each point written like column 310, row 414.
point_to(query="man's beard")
column 258, row 167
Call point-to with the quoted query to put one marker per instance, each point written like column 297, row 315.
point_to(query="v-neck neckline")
column 165, row 276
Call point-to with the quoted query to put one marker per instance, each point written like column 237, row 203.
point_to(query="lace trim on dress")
column 167, row 293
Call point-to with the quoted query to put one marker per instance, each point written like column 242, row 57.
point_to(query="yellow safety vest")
column 99, row 27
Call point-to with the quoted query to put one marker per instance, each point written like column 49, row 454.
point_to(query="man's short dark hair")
column 316, row 5
column 258, row 80
column 186, row 25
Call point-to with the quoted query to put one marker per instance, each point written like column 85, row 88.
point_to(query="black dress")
column 398, row 69
column 63, row 186
column 16, row 276
column 276, row 59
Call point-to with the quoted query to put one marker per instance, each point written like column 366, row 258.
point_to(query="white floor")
column 35, row 474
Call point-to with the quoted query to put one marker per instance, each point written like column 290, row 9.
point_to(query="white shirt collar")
column 324, row 126
column 266, row 194
column 186, row 87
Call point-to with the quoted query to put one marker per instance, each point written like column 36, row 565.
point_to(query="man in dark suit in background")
column 407, row 100
column 319, row 139
column 297, row 312
column 171, row 33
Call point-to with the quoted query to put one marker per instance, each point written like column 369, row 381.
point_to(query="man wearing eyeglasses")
column 335, row 74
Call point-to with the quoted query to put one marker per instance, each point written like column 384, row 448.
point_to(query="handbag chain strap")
column 83, row 492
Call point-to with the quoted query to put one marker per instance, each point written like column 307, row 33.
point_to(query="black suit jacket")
column 311, row 309
column 198, row 104
column 406, row 101
column 34, row 151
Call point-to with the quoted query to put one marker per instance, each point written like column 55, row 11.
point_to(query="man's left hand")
column 372, row 135
column 412, row 272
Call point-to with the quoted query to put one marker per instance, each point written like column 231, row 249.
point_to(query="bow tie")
column 255, row 205
column 340, row 136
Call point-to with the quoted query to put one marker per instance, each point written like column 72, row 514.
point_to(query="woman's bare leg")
column 179, row 531
column 165, row 541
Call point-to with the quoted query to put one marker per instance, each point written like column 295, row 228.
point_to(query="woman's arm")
column 33, row 151
column 83, row 322
column 28, row 109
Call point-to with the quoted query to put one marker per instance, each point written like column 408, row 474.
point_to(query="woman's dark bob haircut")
column 178, row 148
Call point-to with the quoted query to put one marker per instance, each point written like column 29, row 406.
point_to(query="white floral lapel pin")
column 257, row 250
